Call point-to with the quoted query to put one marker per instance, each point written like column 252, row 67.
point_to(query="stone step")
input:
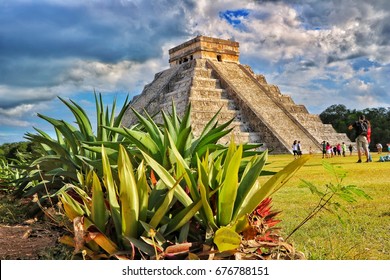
column 200, row 115
column 201, row 73
column 239, row 131
column 176, row 94
column 180, row 103
column 307, row 118
column 195, row 72
column 238, row 126
column 183, row 83
column 211, row 93
column 244, row 137
column 186, row 73
column 205, row 83
column 328, row 128
column 199, row 103
column 212, row 105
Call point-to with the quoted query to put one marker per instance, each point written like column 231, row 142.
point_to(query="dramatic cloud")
column 319, row 52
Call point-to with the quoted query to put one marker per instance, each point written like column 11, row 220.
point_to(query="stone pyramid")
column 206, row 72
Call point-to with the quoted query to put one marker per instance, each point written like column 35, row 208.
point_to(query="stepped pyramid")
column 206, row 72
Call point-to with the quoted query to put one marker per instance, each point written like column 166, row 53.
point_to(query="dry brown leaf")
column 27, row 233
column 78, row 233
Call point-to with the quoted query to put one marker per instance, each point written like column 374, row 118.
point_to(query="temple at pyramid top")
column 205, row 72
column 204, row 47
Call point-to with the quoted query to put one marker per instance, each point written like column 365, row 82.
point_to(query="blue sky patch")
column 234, row 17
column 364, row 64
column 324, row 83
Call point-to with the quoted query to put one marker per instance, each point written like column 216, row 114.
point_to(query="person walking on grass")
column 361, row 128
column 329, row 150
column 334, row 151
column 299, row 149
column 368, row 138
column 294, row 148
column 323, row 149
column 344, row 148
column 338, row 148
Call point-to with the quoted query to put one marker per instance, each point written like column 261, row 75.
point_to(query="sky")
column 319, row 52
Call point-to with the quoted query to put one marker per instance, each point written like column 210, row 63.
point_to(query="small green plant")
column 11, row 211
column 331, row 196
column 10, row 173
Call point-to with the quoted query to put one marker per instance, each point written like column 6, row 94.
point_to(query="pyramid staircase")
column 198, row 86
column 261, row 113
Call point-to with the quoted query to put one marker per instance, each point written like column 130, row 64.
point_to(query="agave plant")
column 155, row 139
column 120, row 213
column 137, row 192
column 227, row 194
column 10, row 174
column 130, row 215
column 64, row 157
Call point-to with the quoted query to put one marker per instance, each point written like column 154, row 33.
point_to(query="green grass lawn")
column 365, row 233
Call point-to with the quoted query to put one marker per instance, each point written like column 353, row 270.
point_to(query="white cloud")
column 14, row 122
column 127, row 76
column 18, row 110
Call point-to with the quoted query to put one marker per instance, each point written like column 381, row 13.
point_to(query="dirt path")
column 23, row 237
column 26, row 242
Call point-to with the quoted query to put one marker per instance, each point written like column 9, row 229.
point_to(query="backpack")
column 362, row 128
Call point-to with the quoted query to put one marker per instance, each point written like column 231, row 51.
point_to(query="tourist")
column 295, row 148
column 328, row 150
column 361, row 127
column 338, row 147
column 368, row 137
column 323, row 149
column 379, row 148
column 344, row 148
column 334, row 150
column 299, row 149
